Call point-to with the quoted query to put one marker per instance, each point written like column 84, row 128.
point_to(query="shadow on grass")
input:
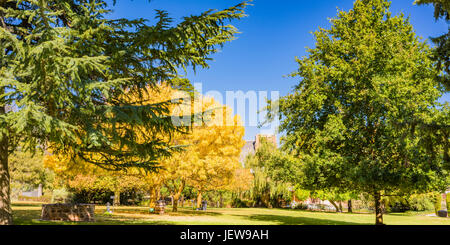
column 121, row 220
column 27, row 204
column 327, row 212
column 25, row 217
column 168, row 212
column 32, row 217
column 195, row 213
column 289, row 220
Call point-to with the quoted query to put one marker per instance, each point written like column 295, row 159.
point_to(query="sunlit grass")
column 29, row 214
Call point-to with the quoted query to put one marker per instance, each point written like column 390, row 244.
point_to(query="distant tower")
column 250, row 147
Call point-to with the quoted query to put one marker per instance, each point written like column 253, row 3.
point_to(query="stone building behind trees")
column 251, row 146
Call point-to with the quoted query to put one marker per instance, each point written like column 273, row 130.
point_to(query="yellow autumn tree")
column 215, row 144
column 211, row 148
column 207, row 160
column 242, row 182
column 82, row 176
column 154, row 181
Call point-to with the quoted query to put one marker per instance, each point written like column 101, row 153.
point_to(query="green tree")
column 69, row 70
column 357, row 117
column 275, row 174
column 280, row 166
column 442, row 51
column 28, row 171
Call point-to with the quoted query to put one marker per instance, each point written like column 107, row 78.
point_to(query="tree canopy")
column 68, row 71
column 210, row 158
column 275, row 173
column 442, row 51
column 356, row 118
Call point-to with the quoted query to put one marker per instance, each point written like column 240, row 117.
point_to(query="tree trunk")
column 335, row 205
column 340, row 206
column 158, row 193
column 378, row 208
column 155, row 194
column 116, row 198
column 175, row 204
column 177, row 196
column 266, row 199
column 199, row 199
column 152, row 200
column 350, row 208
column 5, row 201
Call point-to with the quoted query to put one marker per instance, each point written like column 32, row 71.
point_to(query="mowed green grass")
column 29, row 214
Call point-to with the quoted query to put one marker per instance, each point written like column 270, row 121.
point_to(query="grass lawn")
column 29, row 214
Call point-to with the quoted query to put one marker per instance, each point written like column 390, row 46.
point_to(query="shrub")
column 437, row 202
column 421, row 202
column 415, row 202
column 60, row 195
column 131, row 198
column 239, row 203
column 396, row 204
column 45, row 199
column 144, row 203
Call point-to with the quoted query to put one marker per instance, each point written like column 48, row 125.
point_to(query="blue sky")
column 273, row 34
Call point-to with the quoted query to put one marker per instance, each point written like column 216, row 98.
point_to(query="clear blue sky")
column 273, row 34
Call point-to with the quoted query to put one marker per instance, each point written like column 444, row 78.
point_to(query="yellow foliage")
column 209, row 158
column 80, row 175
column 213, row 146
column 242, row 180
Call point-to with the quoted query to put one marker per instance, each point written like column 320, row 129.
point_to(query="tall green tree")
column 28, row 171
column 69, row 71
column 275, row 174
column 357, row 117
column 442, row 51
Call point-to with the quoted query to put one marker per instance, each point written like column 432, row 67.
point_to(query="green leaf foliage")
column 28, row 171
column 442, row 51
column 364, row 116
column 275, row 174
column 73, row 76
